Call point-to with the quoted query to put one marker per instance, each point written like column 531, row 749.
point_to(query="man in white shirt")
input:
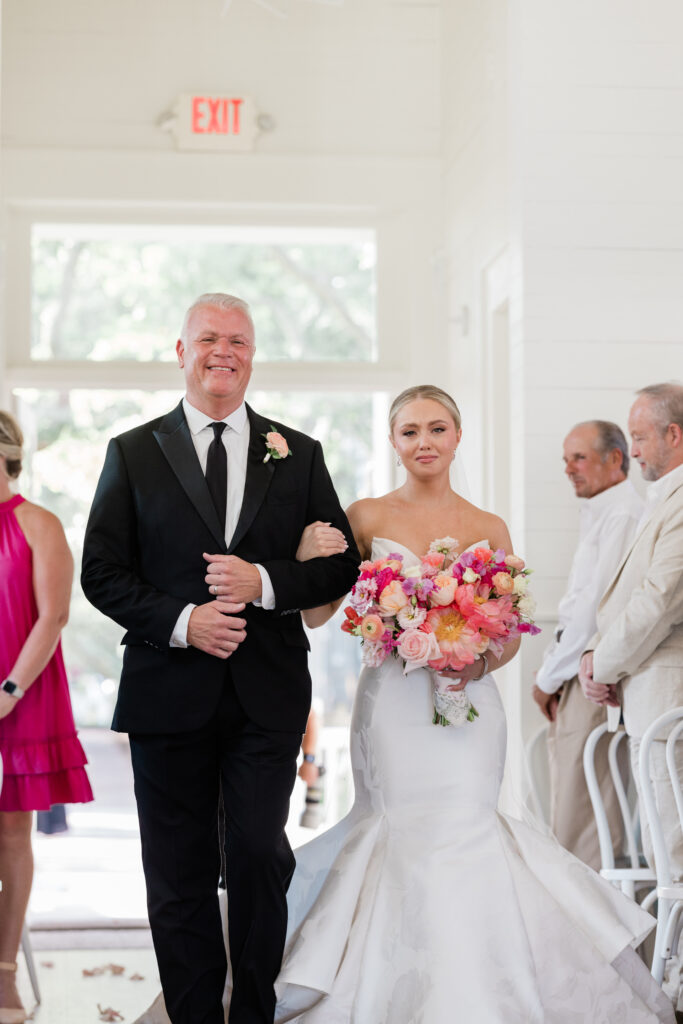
column 635, row 659
column 596, row 462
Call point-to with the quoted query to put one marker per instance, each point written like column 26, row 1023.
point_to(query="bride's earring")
column 398, row 460
column 455, row 451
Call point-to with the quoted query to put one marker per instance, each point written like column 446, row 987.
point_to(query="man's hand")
column 215, row 629
column 547, row 702
column 599, row 693
column 232, row 579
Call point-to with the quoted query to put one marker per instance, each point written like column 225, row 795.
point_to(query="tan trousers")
column 668, row 813
column 571, row 811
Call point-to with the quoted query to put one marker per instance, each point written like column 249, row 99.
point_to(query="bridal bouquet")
column 441, row 614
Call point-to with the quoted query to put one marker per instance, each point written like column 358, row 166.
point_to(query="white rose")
column 527, row 606
column 372, row 654
column 413, row 572
column 469, row 575
column 520, row 585
column 410, row 616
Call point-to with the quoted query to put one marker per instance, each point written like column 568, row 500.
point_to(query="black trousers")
column 178, row 780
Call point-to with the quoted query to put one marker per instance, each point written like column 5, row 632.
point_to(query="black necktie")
column 217, row 472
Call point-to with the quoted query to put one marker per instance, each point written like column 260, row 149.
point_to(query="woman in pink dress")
column 42, row 757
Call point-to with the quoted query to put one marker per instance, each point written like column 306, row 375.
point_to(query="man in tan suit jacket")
column 636, row 660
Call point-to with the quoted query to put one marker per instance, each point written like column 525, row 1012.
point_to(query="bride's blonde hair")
column 11, row 444
column 424, row 391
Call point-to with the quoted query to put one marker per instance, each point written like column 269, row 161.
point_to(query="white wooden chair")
column 538, row 774
column 669, row 893
column 26, row 937
column 631, row 876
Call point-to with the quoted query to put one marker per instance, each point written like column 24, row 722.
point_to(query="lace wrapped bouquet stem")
column 442, row 614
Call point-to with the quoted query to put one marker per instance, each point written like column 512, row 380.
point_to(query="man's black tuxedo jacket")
column 151, row 519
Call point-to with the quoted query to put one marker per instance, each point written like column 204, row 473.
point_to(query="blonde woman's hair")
column 11, row 444
column 424, row 391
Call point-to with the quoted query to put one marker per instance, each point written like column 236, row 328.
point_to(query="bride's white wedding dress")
column 426, row 906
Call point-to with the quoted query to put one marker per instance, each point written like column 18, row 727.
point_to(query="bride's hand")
column 463, row 676
column 320, row 540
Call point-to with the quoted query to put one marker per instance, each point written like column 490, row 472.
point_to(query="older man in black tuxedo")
column 191, row 546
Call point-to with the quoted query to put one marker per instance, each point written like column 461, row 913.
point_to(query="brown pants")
column 572, row 818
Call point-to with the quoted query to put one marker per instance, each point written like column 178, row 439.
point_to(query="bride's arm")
column 320, row 540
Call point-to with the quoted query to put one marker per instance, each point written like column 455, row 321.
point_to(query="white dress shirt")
column 658, row 491
column 607, row 526
column 236, row 440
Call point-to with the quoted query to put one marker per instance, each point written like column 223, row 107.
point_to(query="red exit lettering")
column 215, row 115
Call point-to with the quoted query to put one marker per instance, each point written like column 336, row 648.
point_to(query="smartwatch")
column 309, row 758
column 14, row 691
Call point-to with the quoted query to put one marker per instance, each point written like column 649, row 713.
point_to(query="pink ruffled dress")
column 42, row 757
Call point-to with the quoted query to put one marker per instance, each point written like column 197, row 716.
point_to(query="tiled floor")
column 70, row 997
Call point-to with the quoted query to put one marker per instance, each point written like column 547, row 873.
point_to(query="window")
column 119, row 292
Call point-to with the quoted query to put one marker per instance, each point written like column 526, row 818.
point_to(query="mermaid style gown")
column 426, row 906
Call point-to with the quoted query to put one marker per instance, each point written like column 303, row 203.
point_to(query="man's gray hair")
column 610, row 437
column 667, row 402
column 223, row 301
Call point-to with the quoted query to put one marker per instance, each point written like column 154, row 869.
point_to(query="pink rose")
column 433, row 559
column 514, row 562
column 277, row 441
column 444, row 589
column 417, row 648
column 392, row 598
column 503, row 582
column 371, row 627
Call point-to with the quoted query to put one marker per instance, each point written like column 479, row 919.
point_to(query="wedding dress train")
column 427, row 906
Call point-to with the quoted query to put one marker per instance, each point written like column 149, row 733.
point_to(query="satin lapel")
column 259, row 475
column 175, row 440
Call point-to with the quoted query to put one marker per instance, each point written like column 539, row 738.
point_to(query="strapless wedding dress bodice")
column 426, row 906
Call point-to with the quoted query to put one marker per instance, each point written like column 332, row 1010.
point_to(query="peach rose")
column 444, row 589
column 503, row 583
column 514, row 562
column 417, row 648
column 392, row 598
column 371, row 627
column 277, row 441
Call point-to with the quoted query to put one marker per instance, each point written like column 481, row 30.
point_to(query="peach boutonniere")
column 276, row 445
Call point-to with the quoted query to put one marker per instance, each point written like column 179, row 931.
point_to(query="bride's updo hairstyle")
column 424, row 391
column 11, row 444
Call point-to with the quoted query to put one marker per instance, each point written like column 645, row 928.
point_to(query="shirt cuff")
column 267, row 598
column 179, row 634
column 547, row 685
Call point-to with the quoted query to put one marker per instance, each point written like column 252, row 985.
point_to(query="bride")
column 425, row 905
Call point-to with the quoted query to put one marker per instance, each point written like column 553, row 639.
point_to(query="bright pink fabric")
column 42, row 757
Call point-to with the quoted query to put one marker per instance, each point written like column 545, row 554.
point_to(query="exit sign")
column 224, row 123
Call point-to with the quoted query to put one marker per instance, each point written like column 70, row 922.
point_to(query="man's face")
column 217, row 357
column 648, row 446
column 583, row 463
